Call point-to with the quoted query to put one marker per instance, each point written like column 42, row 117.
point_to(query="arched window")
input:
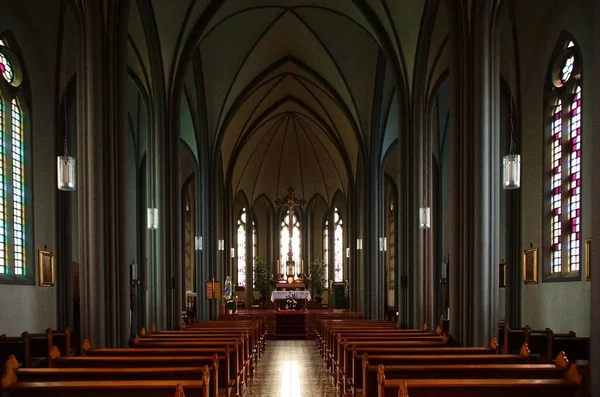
column 339, row 247
column 326, row 249
column 565, row 162
column 241, row 249
column 285, row 242
column 15, row 266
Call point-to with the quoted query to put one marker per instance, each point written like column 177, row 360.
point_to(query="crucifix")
column 290, row 201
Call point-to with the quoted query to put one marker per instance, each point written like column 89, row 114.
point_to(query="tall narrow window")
column 17, row 188
column 565, row 93
column 3, row 267
column 326, row 249
column 13, row 238
column 286, row 243
column 339, row 247
column 241, row 249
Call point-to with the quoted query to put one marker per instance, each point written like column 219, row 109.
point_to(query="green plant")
column 317, row 277
column 264, row 281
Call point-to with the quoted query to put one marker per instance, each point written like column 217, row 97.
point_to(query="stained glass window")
column 556, row 186
column 339, row 247
column 286, row 242
column 3, row 267
column 241, row 249
column 326, row 249
column 6, row 68
column 12, row 175
column 565, row 163
column 17, row 188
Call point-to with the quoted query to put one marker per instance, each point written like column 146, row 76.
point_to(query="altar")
column 299, row 296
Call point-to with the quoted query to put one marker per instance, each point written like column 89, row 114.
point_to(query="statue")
column 228, row 290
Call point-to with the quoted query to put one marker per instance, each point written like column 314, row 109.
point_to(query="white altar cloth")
column 295, row 294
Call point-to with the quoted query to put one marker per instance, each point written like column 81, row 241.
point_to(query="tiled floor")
column 291, row 368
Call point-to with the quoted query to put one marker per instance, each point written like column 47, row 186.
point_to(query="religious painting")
column 46, row 267
column 588, row 258
column 502, row 275
column 530, row 266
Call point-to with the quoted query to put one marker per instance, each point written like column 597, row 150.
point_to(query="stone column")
column 101, row 75
column 474, row 175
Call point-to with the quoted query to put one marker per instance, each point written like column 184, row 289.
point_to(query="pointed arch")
column 562, row 156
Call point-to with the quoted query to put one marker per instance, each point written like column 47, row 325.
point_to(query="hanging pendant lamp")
column 65, row 166
column 425, row 217
column 511, row 163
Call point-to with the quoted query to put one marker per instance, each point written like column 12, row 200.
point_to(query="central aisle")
column 291, row 368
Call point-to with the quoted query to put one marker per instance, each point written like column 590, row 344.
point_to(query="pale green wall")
column 33, row 308
column 559, row 306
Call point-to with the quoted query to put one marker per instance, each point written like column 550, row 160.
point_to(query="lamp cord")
column 512, row 147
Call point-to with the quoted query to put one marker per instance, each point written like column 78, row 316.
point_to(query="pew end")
column 10, row 375
column 525, row 350
column 179, row 391
column 12, row 362
column 494, row 344
column 425, row 327
column 143, row 332
column 403, row 391
column 153, row 328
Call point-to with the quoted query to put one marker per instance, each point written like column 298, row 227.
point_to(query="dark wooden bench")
column 462, row 371
column 13, row 387
column 218, row 364
column 353, row 378
column 563, row 387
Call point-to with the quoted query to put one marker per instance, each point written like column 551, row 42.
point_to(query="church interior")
column 325, row 185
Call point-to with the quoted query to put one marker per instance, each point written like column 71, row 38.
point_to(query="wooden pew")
column 353, row 378
column 566, row 386
column 19, row 346
column 460, row 371
column 217, row 363
column 12, row 387
column 353, row 355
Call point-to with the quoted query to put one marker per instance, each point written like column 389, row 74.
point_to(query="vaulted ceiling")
column 287, row 93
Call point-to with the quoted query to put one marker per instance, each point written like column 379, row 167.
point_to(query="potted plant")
column 264, row 281
column 317, row 278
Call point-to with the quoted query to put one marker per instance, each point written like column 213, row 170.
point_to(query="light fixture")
column 347, row 252
column 381, row 243
column 511, row 167
column 425, row 217
column 511, row 163
column 65, row 168
column 221, row 245
column 152, row 218
column 198, row 243
column 232, row 251
column 359, row 244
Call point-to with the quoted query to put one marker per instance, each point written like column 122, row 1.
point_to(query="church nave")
column 291, row 368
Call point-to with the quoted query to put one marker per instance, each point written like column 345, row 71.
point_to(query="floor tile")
column 291, row 368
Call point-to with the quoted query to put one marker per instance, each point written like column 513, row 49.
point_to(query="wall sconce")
column 425, row 217
column 382, row 243
column 221, row 245
column 359, row 244
column 152, row 218
column 232, row 251
column 347, row 252
column 198, row 243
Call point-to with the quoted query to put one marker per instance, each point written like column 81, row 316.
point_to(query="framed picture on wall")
column 46, row 268
column 530, row 266
column 588, row 257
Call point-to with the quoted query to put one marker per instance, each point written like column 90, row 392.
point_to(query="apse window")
column 564, row 150
column 13, row 187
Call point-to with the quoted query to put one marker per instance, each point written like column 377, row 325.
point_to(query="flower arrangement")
column 291, row 303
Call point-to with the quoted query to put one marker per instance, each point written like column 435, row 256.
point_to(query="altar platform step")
column 290, row 326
